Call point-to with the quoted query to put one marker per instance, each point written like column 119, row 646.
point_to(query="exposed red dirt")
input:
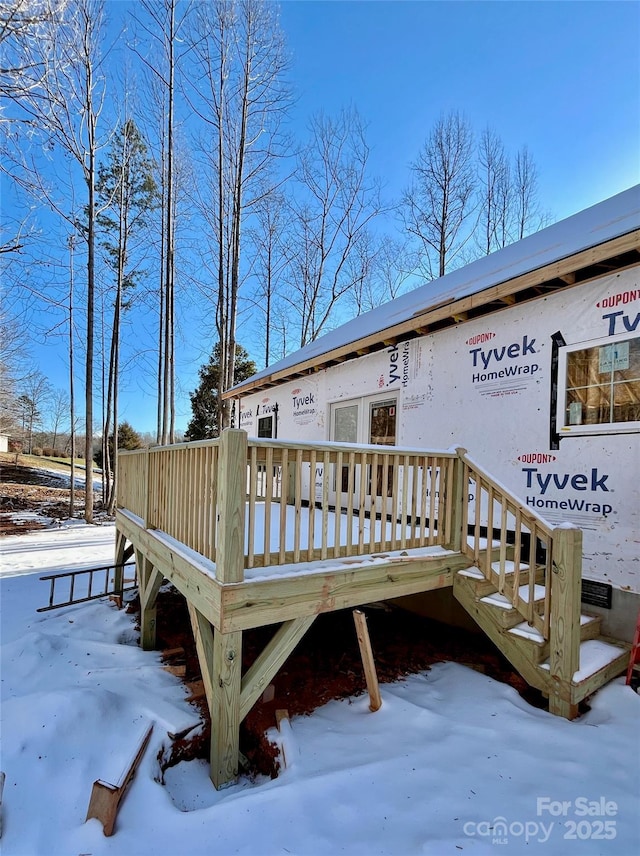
column 25, row 489
column 326, row 665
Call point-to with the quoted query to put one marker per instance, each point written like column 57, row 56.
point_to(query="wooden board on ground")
column 106, row 796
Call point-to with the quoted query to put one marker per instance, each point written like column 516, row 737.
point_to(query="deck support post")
column 565, row 619
column 225, row 676
column 118, row 581
column 149, row 581
column 220, row 658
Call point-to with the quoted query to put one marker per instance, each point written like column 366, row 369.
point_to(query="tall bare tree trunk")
column 72, row 413
column 91, row 266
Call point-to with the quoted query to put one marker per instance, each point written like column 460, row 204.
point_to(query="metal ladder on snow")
column 87, row 586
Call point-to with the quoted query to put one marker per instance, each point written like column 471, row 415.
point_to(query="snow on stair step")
column 473, row 573
column 528, row 632
column 501, row 601
column 594, row 655
column 482, row 542
column 509, row 567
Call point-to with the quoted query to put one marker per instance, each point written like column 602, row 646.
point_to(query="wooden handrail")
column 535, row 582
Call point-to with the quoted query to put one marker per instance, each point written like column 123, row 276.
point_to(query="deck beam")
column 186, row 574
column 254, row 604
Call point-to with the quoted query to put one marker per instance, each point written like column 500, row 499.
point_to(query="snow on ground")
column 453, row 762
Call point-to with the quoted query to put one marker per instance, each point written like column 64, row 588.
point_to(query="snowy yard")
column 453, row 762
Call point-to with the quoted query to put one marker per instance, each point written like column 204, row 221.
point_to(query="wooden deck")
column 264, row 532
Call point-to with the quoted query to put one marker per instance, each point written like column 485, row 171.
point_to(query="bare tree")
column 26, row 27
column 493, row 192
column 58, row 412
column 528, row 214
column 64, row 109
column 15, row 367
column 335, row 203
column 270, row 259
column 439, row 201
column 382, row 268
column 239, row 94
column 163, row 28
column 35, row 393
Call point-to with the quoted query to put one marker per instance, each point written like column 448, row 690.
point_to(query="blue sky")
column 561, row 77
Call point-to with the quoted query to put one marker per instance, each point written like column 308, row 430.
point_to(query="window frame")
column 264, row 419
column 567, row 430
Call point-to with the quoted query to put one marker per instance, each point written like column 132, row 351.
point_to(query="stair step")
column 481, row 585
column 509, row 567
column 528, row 632
column 501, row 601
column 589, row 629
column 597, row 659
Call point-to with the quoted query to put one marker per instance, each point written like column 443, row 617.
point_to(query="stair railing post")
column 564, row 628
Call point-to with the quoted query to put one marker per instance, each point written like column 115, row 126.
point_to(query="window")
column 600, row 386
column 265, row 427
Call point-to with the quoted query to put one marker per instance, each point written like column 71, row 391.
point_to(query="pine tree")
column 205, row 422
column 127, row 194
column 128, row 439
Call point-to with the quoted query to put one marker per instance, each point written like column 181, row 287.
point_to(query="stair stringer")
column 515, row 650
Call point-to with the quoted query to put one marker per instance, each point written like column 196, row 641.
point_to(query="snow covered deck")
column 271, row 594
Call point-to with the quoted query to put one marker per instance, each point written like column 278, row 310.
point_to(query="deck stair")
column 525, row 646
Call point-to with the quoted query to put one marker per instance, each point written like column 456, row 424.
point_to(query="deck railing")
column 174, row 489
column 304, row 501
column 537, row 568
column 246, row 503
column 344, row 500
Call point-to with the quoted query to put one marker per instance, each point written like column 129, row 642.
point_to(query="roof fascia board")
column 563, row 269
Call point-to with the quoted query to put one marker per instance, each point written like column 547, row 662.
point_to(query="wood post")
column 565, row 618
column 149, row 581
column 232, row 477
column 458, row 525
column 220, row 657
column 118, row 581
column 225, row 708
column 368, row 663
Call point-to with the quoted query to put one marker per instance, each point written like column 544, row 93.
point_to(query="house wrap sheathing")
column 529, row 358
